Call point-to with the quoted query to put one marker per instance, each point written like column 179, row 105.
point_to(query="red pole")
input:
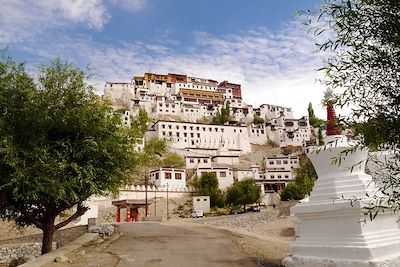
column 128, row 214
column 118, row 214
column 136, row 214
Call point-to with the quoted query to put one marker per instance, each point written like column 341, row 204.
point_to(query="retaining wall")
column 15, row 252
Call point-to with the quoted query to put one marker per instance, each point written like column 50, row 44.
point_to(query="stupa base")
column 295, row 261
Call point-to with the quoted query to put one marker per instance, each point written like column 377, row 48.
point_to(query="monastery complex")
column 182, row 108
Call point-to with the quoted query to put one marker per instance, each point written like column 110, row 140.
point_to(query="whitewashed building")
column 224, row 175
column 174, row 178
column 205, row 137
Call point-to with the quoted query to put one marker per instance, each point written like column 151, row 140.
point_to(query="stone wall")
column 20, row 252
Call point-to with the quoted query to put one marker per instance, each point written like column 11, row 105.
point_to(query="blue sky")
column 258, row 43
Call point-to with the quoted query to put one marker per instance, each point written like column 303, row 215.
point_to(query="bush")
column 292, row 192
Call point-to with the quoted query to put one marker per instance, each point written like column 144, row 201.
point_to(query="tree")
column 207, row 185
column 59, row 145
column 243, row 192
column 173, row 160
column 314, row 120
column 364, row 66
column 222, row 116
column 292, row 192
column 306, row 176
column 303, row 184
column 257, row 119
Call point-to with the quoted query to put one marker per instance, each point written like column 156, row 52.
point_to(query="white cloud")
column 21, row 20
column 276, row 68
column 131, row 5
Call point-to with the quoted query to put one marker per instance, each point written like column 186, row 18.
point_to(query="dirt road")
column 157, row 244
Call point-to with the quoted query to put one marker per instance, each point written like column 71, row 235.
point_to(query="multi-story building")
column 186, row 136
column 178, row 97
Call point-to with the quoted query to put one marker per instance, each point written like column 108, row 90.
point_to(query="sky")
column 260, row 44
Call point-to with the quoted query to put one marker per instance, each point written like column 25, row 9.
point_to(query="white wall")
column 177, row 177
column 195, row 135
column 224, row 176
column 193, row 162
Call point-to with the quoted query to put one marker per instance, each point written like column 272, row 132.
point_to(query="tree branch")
column 32, row 219
column 79, row 212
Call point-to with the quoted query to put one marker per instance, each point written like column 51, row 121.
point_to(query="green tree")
column 243, row 192
column 314, row 120
column 223, row 115
column 172, row 160
column 364, row 44
column 292, row 192
column 257, row 119
column 310, row 110
column 139, row 123
column 59, row 145
column 207, row 185
column 304, row 182
column 320, row 137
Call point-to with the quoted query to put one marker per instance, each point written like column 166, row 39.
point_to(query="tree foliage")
column 243, row 192
column 304, row 182
column 365, row 62
column 314, row 120
column 364, row 67
column 172, row 160
column 207, row 185
column 292, row 192
column 257, row 119
column 222, row 115
column 59, row 145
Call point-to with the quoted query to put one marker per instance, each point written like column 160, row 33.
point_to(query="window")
column 285, row 162
column 222, row 174
column 287, row 176
column 272, row 176
column 205, row 199
column 205, row 160
column 168, row 175
column 278, row 162
column 178, row 176
column 271, row 162
column 191, row 160
column 184, row 127
column 157, row 176
column 163, row 126
column 279, row 176
column 185, row 134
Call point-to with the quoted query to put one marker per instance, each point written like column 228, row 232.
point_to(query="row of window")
column 197, row 128
column 221, row 173
column 168, row 175
column 198, row 160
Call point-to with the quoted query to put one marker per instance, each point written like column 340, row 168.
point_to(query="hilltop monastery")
column 182, row 108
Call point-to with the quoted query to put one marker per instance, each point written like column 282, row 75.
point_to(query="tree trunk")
column 244, row 208
column 47, row 242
